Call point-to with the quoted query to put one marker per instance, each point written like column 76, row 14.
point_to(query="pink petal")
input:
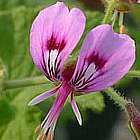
column 43, row 96
column 54, row 34
column 57, row 107
column 76, row 110
column 105, row 58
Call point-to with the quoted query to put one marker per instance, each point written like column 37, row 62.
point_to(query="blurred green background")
column 102, row 118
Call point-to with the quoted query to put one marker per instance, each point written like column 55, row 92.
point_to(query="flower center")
column 68, row 71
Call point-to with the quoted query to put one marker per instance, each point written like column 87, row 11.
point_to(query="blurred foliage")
column 8, row 4
column 17, row 120
column 133, row 21
column 93, row 5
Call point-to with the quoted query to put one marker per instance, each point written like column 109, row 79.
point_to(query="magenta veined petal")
column 43, row 96
column 76, row 110
column 50, row 121
column 54, row 34
column 105, row 57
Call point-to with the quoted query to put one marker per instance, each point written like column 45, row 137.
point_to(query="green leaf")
column 25, row 119
column 17, row 121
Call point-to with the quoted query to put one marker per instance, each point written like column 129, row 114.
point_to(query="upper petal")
column 54, row 34
column 105, row 58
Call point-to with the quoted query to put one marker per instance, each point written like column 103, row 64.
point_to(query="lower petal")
column 48, row 125
column 43, row 96
column 76, row 110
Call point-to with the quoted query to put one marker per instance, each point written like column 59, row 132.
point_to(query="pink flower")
column 105, row 57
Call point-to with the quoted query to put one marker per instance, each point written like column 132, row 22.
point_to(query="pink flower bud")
column 125, row 5
column 134, row 119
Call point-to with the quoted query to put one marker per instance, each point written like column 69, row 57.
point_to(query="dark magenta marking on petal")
column 79, row 75
column 86, row 81
column 53, row 44
column 88, row 84
column 100, row 74
column 49, row 67
column 98, row 61
column 43, row 64
column 57, row 65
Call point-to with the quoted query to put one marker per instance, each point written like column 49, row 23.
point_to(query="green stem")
column 119, row 100
column 134, row 73
column 10, row 84
column 109, row 11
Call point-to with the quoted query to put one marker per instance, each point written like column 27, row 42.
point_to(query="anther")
column 38, row 129
column 42, row 137
column 122, row 29
column 50, row 136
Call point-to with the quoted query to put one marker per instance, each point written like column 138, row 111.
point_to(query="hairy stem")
column 134, row 73
column 115, row 96
column 109, row 11
column 118, row 99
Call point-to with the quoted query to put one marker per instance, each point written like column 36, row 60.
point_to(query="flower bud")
column 134, row 119
column 125, row 5
column 122, row 29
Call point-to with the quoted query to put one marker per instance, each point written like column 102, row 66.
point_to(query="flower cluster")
column 105, row 57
